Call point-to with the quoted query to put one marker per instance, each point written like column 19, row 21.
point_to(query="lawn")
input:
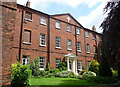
column 59, row 82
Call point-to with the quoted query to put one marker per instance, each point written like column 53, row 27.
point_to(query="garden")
column 31, row 75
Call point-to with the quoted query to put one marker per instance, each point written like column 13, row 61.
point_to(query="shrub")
column 84, row 67
column 63, row 74
column 94, row 66
column 81, row 72
column 20, row 75
column 88, row 74
column 47, row 67
column 104, row 69
column 57, row 70
column 114, row 72
column 35, row 67
column 62, row 66
column 102, row 80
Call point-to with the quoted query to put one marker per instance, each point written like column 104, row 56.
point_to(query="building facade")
column 52, row 38
column 27, row 34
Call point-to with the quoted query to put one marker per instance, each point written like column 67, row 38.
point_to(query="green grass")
column 59, row 82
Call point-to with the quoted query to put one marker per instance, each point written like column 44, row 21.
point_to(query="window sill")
column 43, row 24
column 88, row 52
column 78, row 34
column 58, row 28
column 58, row 48
column 41, row 68
column 69, row 49
column 79, row 51
column 87, row 36
column 27, row 43
column 28, row 19
column 69, row 31
column 42, row 45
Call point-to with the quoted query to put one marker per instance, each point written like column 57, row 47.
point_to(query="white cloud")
column 96, row 17
column 73, row 3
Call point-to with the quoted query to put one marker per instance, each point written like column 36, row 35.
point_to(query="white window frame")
column 43, row 61
column 88, row 64
column 57, row 25
column 42, row 39
column 68, row 28
column 69, row 44
column 26, row 58
column 94, row 37
column 28, row 19
column 87, row 34
column 88, row 48
column 58, row 42
column 100, row 38
column 58, row 60
column 78, row 31
column 43, row 20
column 79, row 46
column 79, row 65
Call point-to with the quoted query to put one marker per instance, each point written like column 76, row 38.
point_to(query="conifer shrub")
column 35, row 67
column 94, row 66
column 104, row 69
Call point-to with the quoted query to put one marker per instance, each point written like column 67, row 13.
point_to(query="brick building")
column 52, row 38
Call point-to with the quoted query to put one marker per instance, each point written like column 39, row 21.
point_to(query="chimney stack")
column 28, row 4
column 93, row 28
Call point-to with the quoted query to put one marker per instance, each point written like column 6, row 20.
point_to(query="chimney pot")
column 28, row 3
column 93, row 28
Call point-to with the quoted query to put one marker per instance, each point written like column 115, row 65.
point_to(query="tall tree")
column 111, row 32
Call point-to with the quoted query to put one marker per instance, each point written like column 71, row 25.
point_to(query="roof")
column 59, row 15
column 70, row 16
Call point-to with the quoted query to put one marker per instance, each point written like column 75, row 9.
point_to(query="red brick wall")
column 34, row 50
column 8, row 27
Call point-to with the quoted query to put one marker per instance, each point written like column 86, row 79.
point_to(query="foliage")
column 47, row 67
column 62, row 66
column 63, row 74
column 104, row 69
column 35, row 67
column 81, row 72
column 57, row 70
column 114, row 72
column 102, row 80
column 111, row 32
column 84, row 67
column 94, row 66
column 20, row 75
column 88, row 74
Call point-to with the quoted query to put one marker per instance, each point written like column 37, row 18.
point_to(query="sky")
column 86, row 12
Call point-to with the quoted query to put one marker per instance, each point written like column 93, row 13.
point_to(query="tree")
column 111, row 33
